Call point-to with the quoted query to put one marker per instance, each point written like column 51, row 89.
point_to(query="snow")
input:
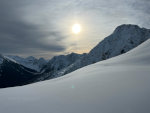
column 118, row 85
column 10, row 59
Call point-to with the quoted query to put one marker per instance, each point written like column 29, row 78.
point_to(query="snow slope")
column 118, row 85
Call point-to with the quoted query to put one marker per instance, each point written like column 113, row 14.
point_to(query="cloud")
column 142, row 12
column 17, row 36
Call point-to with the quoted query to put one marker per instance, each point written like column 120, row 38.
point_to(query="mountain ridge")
column 124, row 38
column 30, row 62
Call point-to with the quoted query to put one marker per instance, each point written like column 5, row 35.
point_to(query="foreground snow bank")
column 117, row 85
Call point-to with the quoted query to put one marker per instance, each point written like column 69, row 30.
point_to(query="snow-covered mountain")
column 13, row 73
column 57, row 64
column 123, row 39
column 30, row 62
column 117, row 85
column 15, row 70
column 62, row 61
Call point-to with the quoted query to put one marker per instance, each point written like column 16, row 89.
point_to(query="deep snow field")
column 118, row 85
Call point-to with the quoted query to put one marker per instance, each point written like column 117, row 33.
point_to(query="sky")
column 42, row 28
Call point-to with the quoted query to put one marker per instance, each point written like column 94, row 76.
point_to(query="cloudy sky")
column 42, row 28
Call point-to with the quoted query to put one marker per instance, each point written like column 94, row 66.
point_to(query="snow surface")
column 118, row 85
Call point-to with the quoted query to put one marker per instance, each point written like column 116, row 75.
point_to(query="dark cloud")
column 19, row 36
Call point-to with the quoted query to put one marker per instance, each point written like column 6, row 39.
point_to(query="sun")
column 76, row 28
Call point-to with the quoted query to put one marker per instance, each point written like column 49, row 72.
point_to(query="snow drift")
column 118, row 85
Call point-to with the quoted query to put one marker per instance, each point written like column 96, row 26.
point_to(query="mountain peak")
column 126, row 27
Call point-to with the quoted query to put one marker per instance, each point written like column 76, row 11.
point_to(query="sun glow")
column 76, row 28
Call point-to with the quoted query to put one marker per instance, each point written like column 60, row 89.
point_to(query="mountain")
column 123, row 39
column 117, row 85
column 14, row 74
column 16, row 71
column 62, row 61
column 57, row 64
column 30, row 62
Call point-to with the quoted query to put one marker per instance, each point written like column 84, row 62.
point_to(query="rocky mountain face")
column 15, row 70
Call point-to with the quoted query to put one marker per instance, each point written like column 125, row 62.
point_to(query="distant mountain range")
column 29, row 62
column 16, row 71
